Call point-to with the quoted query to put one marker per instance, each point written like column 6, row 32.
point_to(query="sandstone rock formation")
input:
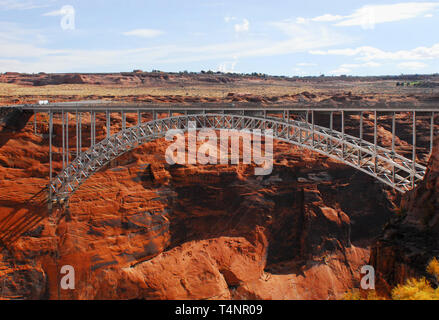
column 411, row 239
column 142, row 229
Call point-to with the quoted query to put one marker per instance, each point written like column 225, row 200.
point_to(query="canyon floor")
column 143, row 229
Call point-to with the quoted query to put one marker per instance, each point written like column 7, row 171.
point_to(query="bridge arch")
column 390, row 168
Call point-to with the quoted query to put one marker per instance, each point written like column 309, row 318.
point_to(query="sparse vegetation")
column 412, row 289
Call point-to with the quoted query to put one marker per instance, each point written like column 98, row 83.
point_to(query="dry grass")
column 263, row 88
column 214, row 91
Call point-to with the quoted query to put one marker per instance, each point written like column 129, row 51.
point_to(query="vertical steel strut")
column 313, row 126
column 431, row 132
column 393, row 144
column 67, row 140
column 35, row 122
column 375, row 139
column 77, row 134
column 107, row 112
column 414, row 150
column 63, row 140
column 343, row 135
column 50, row 152
column 360, row 155
column 80, row 133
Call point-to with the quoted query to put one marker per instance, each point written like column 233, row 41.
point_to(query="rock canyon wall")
column 143, row 229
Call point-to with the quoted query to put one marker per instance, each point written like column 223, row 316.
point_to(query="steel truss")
column 383, row 164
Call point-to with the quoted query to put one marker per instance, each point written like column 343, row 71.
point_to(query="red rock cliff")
column 141, row 228
column 411, row 239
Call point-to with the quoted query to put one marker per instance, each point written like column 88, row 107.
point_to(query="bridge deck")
column 295, row 120
column 101, row 106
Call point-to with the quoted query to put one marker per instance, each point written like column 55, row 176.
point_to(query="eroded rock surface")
column 143, row 229
column 411, row 239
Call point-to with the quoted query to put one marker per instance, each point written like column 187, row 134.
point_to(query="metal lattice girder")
column 383, row 164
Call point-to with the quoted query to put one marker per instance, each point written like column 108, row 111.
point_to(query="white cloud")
column 22, row 52
column 24, row 4
column 299, row 72
column 327, row 18
column 227, row 19
column 347, row 67
column 324, row 18
column 340, row 70
column 361, row 65
column 412, row 65
column 368, row 53
column 17, row 42
column 55, row 13
column 370, row 15
column 144, row 33
column 243, row 27
column 301, row 20
column 306, row 64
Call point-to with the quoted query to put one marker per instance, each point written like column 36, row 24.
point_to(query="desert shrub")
column 415, row 289
column 357, row 294
column 419, row 289
column 412, row 289
column 433, row 268
column 354, row 294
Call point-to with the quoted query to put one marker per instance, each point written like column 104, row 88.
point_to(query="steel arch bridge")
column 391, row 169
column 382, row 163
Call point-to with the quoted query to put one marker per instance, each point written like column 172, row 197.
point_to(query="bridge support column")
column 50, row 153
column 331, row 121
column 154, row 117
column 393, row 145
column 77, row 133
column 139, row 122
column 414, row 150
column 67, row 140
column 63, row 140
column 108, row 116
column 35, row 122
column 342, row 135
column 431, row 132
column 313, row 127
column 124, row 120
column 331, row 127
column 80, row 134
column 375, row 139
column 360, row 155
column 91, row 129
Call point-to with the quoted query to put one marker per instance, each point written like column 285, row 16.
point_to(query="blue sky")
column 275, row 37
